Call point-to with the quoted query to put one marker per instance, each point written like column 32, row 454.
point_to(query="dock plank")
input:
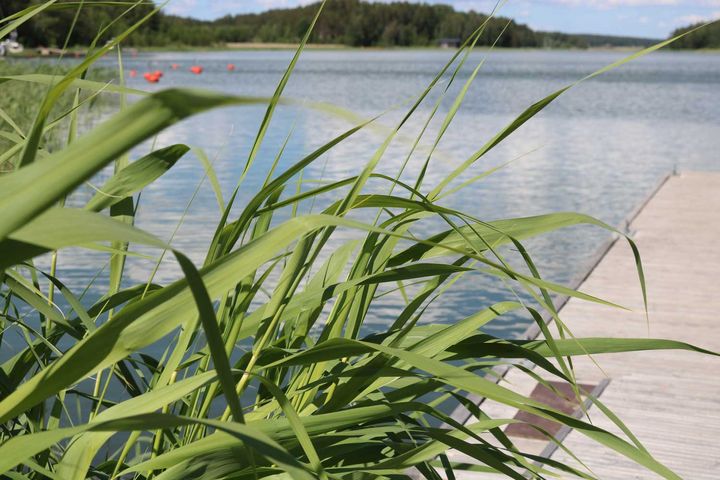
column 669, row 399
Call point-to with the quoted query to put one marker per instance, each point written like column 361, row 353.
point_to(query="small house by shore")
column 10, row 45
column 449, row 43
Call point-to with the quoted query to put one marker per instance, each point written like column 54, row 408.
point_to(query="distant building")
column 449, row 43
column 10, row 45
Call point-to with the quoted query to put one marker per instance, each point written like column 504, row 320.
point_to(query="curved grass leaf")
column 136, row 176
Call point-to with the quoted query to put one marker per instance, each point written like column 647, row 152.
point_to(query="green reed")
column 303, row 394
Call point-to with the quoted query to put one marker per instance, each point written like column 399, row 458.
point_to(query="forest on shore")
column 347, row 22
column 706, row 37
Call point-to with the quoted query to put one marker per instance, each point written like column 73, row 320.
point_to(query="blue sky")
column 652, row 18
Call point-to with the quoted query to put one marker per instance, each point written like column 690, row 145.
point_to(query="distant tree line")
column 362, row 24
column 706, row 37
column 51, row 27
column 348, row 22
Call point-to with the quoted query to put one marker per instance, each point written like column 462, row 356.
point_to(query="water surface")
column 600, row 149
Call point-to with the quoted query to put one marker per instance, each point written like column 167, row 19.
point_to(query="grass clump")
column 286, row 385
column 19, row 106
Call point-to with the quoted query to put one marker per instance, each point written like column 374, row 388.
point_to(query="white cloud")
column 215, row 8
column 267, row 4
column 188, row 7
column 182, row 7
column 477, row 5
column 605, row 4
column 693, row 19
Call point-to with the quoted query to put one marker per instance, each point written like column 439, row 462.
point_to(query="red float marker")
column 196, row 69
column 231, row 67
column 175, row 66
column 152, row 77
column 133, row 73
column 158, row 73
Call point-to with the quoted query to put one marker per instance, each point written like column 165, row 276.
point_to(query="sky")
column 641, row 18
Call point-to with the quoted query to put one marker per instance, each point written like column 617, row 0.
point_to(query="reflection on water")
column 600, row 149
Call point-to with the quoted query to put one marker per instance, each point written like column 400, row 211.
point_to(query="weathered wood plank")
column 669, row 399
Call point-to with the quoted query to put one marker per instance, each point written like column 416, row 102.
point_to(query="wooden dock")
column 669, row 399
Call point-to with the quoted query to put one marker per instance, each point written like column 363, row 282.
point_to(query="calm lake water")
column 599, row 149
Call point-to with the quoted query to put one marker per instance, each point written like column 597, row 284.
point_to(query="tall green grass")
column 18, row 107
column 277, row 386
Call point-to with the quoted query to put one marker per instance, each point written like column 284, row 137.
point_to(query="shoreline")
column 33, row 53
column 334, row 46
column 260, row 46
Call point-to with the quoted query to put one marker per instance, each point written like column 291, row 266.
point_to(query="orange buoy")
column 152, row 77
column 175, row 66
column 231, row 67
column 196, row 69
column 158, row 73
column 133, row 73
